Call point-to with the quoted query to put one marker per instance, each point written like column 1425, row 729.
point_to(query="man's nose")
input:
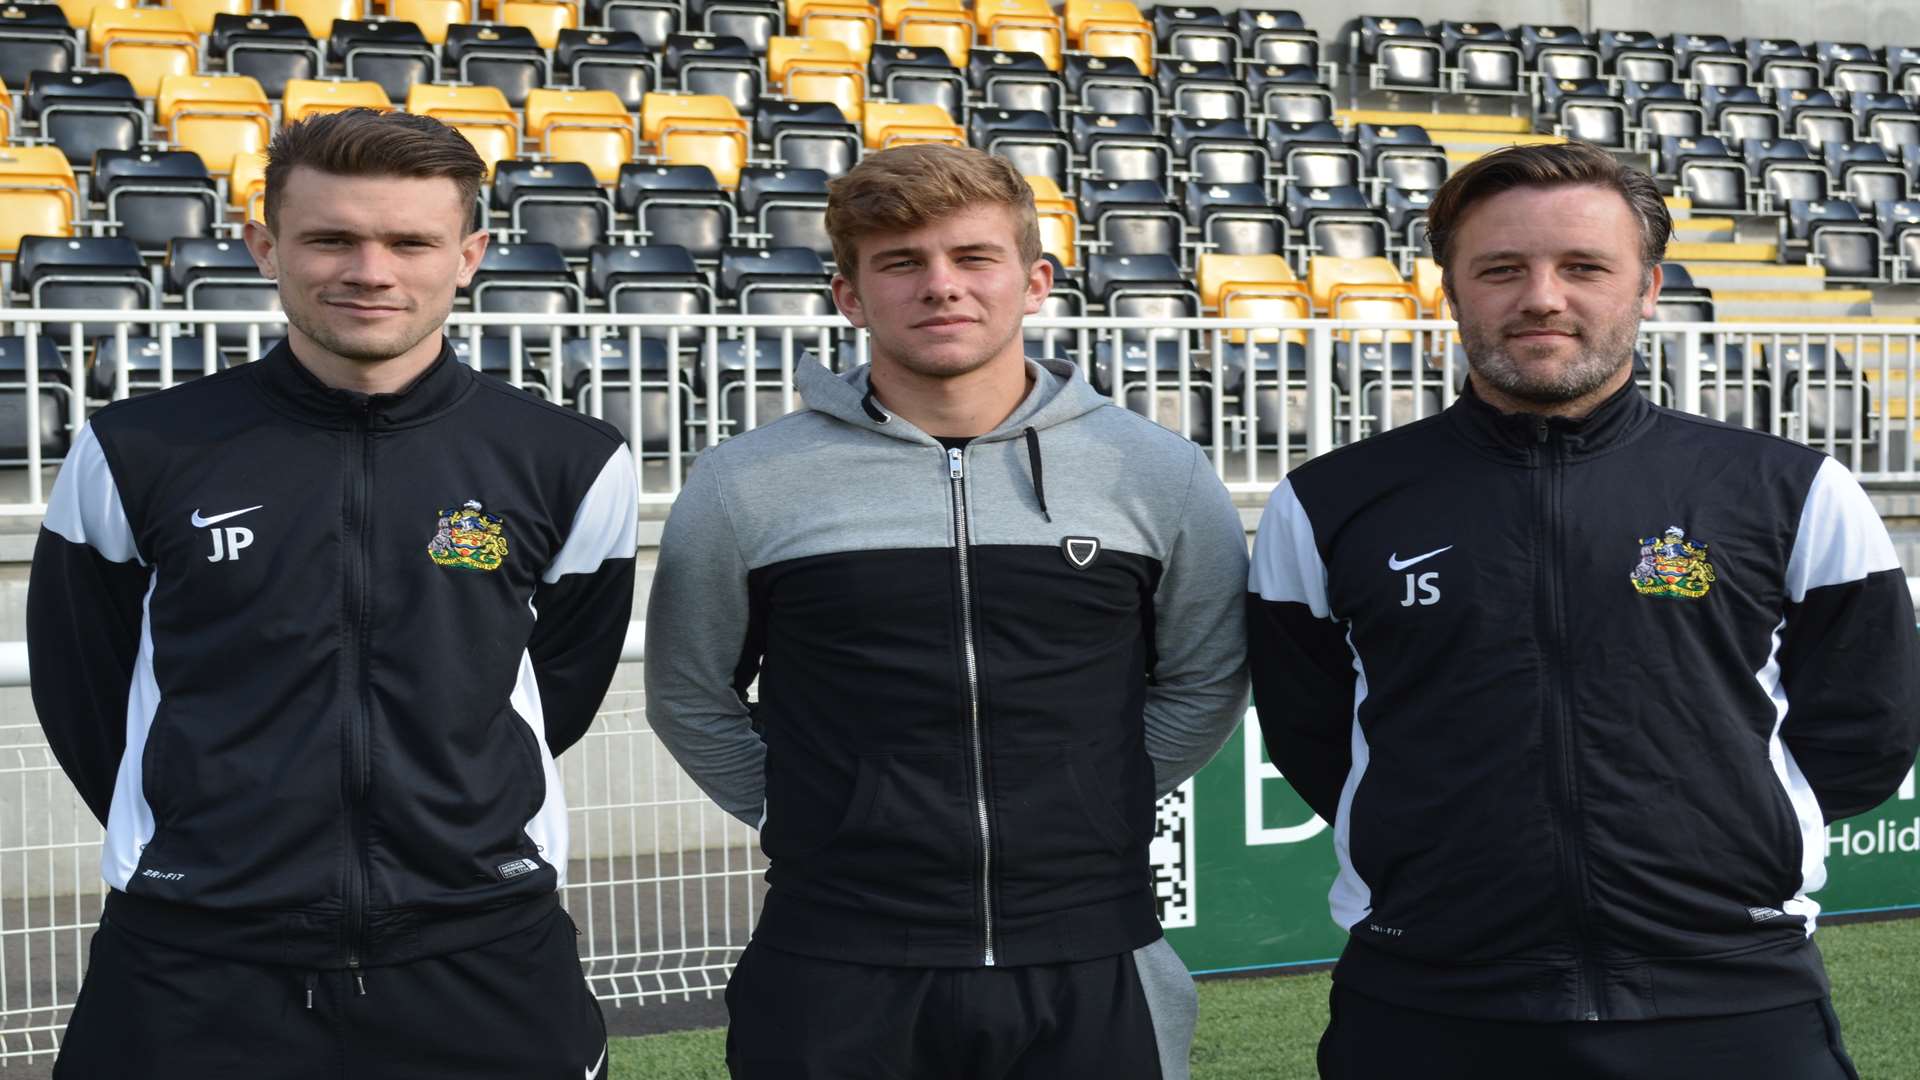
column 940, row 283
column 371, row 266
column 1544, row 293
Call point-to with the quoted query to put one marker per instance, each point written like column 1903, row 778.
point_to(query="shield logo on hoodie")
column 1080, row 550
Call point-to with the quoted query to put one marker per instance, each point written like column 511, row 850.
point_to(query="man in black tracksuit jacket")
column 1577, row 680
column 308, row 635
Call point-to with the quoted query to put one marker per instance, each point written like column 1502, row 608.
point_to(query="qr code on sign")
column 1171, row 853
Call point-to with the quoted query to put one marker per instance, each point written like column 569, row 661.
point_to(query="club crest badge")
column 468, row 538
column 1673, row 566
column 1080, row 550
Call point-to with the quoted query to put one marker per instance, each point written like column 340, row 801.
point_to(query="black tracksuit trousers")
column 1369, row 1039
column 513, row 1009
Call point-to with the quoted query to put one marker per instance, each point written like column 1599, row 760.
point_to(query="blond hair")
column 907, row 187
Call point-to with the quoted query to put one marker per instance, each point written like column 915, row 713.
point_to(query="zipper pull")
column 953, row 464
column 310, row 979
column 1540, row 429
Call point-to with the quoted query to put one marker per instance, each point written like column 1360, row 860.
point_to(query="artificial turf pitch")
column 1265, row 1028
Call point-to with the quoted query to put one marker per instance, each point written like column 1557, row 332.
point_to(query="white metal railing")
column 1260, row 395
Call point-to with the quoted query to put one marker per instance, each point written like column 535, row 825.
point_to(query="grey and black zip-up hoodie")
column 977, row 667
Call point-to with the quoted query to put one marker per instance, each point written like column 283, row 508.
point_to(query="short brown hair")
column 367, row 142
column 1544, row 166
column 904, row 188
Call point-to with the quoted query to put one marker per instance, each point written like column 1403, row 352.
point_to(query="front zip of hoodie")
column 956, row 477
column 356, row 759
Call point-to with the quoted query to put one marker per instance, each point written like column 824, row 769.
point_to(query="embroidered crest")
column 468, row 538
column 1080, row 550
column 1672, row 565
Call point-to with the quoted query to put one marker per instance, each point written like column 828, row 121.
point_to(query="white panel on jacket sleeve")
column 85, row 505
column 606, row 524
column 129, row 818
column 1286, row 565
column 1841, row 537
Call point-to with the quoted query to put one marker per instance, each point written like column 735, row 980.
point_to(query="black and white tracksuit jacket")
column 976, row 667
column 1578, row 698
column 310, row 654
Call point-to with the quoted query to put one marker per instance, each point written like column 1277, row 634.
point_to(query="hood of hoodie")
column 1058, row 394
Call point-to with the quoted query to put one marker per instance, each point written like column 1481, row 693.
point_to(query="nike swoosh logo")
column 1394, row 562
column 594, row 1069
column 202, row 522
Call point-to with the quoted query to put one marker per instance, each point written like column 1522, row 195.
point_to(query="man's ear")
column 1650, row 302
column 260, row 244
column 1039, row 284
column 472, row 248
column 846, row 297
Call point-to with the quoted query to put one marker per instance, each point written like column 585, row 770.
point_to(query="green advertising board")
column 1242, row 866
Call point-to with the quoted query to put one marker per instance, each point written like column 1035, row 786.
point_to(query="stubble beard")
column 1601, row 352
column 361, row 350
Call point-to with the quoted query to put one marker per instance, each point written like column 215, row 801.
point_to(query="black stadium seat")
column 652, row 21
column 1010, row 79
column 788, row 208
column 219, row 275
column 919, row 75
column 1113, row 85
column 151, row 364
column 1290, row 94
column 1122, row 148
column 808, row 135
column 1236, row 219
column 617, row 61
column 677, row 204
column 710, row 64
column 1028, row 138
column 1276, row 36
column 1131, row 217
column 525, row 279
column 553, row 202
column 1189, row 32
column 1483, row 58
column 393, row 53
column 629, row 377
column 271, row 48
column 1635, row 55
column 55, row 398
column 661, row 280
column 95, row 272
column 504, row 57
column 1204, row 89
column 789, row 281
column 153, row 196
column 85, row 112
column 35, row 37
column 1219, row 151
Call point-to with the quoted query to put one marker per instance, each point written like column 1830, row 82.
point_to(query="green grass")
column 1266, row 1028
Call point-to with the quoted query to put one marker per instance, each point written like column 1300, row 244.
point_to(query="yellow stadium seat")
column 432, row 16
column 319, row 14
column 697, row 129
column 199, row 13
column 889, row 124
column 311, row 97
column 855, row 25
column 215, row 116
column 546, row 18
column 38, row 195
column 1366, row 288
column 1215, row 273
column 6, row 114
column 80, row 12
column 1427, row 284
column 248, row 183
column 590, row 126
column 817, row 69
column 1253, row 287
column 1041, row 37
column 988, row 11
column 892, row 11
column 144, row 44
column 949, row 31
column 1059, row 220
column 1133, row 40
column 480, row 113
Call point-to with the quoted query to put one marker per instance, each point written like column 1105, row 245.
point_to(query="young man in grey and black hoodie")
column 992, row 618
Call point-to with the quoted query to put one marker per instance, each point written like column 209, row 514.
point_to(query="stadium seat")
column 1131, row 217
column 617, row 61
column 35, row 37
column 637, row 390
column 1663, row 109
column 1252, row 287
column 480, row 113
column 788, row 208
column 53, row 408
column 1363, row 288
column 1587, row 110
column 662, row 279
column 1636, row 56
column 818, row 69
column 808, row 135
column 1209, row 90
column 1290, row 94
column 271, row 49
column 144, row 44
column 525, row 279
column 750, row 376
column 1899, row 225
column 507, row 58
column 247, row 185
column 1680, row 300
column 697, row 129
column 1111, row 85
column 153, row 196
column 1186, row 32
column 1111, row 28
column 582, row 125
column 319, row 14
column 1314, row 155
column 1219, row 151
column 855, row 25
column 1482, row 59
column 1059, row 221
column 775, row 281
column 1738, row 113
column 1016, row 80
column 720, row 65
column 554, row 202
column 887, row 124
column 1707, row 173
column 544, row 18
column 1785, row 170
column 1782, row 64
column 919, row 75
column 1398, row 54
column 933, row 24
column 1904, row 62
column 433, row 17
column 681, row 206
column 392, row 53
column 103, row 273
column 1028, row 139
column 1122, row 148
column 1402, row 156
column 1839, row 241
column 1236, row 219
column 1336, row 221
column 1558, row 52
column 219, row 275
column 1277, row 37
column 1429, row 284
column 1816, row 118
column 1022, row 26
column 752, row 21
column 1710, row 60
column 1887, row 119
column 148, row 363
column 1865, row 174
column 215, row 116
column 85, row 112
column 38, row 195
column 311, row 97
column 1849, row 67
column 1406, row 213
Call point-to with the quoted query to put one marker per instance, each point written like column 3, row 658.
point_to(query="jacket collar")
column 294, row 390
column 1615, row 421
column 1058, row 393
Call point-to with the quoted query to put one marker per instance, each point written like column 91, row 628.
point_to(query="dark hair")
column 367, row 142
column 904, row 188
column 1544, row 166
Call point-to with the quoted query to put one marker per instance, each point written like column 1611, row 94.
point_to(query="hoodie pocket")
column 904, row 838
column 1062, row 843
